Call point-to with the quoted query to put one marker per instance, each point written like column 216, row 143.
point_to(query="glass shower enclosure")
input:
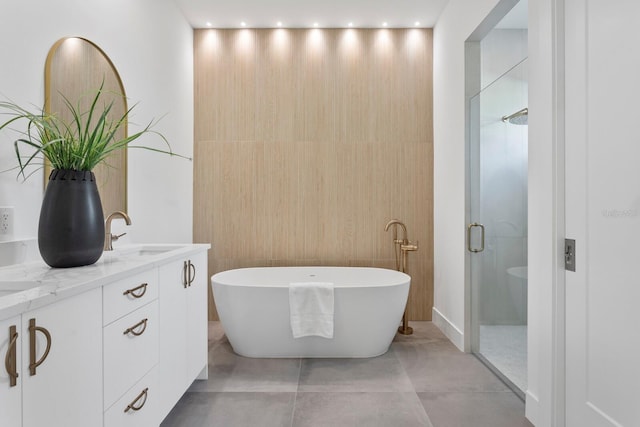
column 497, row 232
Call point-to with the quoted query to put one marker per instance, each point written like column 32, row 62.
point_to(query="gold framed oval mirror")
column 75, row 69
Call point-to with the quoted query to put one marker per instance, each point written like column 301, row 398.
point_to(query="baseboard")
column 532, row 408
column 455, row 335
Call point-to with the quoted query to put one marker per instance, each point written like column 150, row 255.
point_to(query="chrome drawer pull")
column 132, row 330
column 133, row 291
column 132, row 405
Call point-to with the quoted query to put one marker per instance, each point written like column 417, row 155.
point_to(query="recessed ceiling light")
column 243, row 24
column 351, row 24
column 315, row 24
column 208, row 24
column 279, row 24
column 384, row 24
column 417, row 24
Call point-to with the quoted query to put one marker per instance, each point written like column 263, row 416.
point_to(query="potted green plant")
column 71, row 226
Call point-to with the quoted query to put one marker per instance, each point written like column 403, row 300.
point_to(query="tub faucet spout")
column 397, row 223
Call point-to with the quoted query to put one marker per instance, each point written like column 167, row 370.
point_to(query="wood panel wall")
column 307, row 142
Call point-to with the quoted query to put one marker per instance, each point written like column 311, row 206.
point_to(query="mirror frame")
column 48, row 90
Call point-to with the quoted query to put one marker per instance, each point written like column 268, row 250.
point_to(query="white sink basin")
column 136, row 252
column 11, row 287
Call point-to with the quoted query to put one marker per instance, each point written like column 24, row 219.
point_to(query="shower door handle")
column 469, row 227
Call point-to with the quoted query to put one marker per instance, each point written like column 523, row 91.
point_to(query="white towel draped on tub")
column 311, row 309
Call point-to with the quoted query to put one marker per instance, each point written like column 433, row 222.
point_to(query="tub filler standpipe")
column 401, row 249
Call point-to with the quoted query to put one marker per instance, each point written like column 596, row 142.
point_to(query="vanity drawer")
column 138, row 407
column 124, row 296
column 130, row 350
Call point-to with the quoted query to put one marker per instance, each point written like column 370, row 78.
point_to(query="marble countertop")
column 47, row 285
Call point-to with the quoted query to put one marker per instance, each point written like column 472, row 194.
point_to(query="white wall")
column 150, row 43
column 502, row 49
column 500, row 199
column 457, row 22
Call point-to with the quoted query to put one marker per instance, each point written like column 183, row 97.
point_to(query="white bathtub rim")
column 220, row 280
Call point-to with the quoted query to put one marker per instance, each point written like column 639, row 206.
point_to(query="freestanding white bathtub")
column 253, row 305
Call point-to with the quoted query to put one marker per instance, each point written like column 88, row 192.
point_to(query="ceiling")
column 305, row 13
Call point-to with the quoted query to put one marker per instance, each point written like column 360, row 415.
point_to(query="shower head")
column 518, row 118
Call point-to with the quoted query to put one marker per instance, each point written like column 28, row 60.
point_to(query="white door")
column 603, row 212
column 173, row 332
column 197, row 324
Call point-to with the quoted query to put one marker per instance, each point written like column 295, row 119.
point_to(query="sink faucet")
column 110, row 238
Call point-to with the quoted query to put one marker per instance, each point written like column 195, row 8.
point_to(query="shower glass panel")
column 498, row 202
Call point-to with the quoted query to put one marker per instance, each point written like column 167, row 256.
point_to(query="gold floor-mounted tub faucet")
column 401, row 249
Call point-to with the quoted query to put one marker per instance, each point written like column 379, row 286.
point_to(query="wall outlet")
column 6, row 220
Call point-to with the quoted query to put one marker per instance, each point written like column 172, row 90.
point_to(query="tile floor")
column 423, row 380
column 505, row 347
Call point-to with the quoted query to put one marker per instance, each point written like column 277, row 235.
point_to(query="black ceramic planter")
column 71, row 228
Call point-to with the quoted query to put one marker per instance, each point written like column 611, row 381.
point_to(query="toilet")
column 517, row 285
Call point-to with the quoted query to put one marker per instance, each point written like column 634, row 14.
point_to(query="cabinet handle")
column 143, row 396
column 192, row 277
column 10, row 358
column 185, row 273
column 32, row 346
column 132, row 291
column 132, row 330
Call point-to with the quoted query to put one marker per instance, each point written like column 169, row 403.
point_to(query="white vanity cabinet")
column 65, row 386
column 10, row 382
column 183, row 326
column 130, row 335
column 113, row 345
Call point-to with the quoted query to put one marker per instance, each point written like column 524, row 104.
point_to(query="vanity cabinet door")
column 10, row 373
column 173, row 313
column 65, row 389
column 197, row 319
column 183, row 326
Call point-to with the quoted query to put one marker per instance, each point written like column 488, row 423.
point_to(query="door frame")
column 545, row 400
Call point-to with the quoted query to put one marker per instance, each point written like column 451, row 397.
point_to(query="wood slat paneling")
column 308, row 142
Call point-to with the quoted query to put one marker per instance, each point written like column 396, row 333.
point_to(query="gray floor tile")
column 377, row 374
column 423, row 331
column 494, row 409
column 440, row 366
column 359, row 409
column 350, row 392
column 232, row 410
column 230, row 372
column 216, row 333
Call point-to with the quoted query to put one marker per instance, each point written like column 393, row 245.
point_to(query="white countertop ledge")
column 53, row 284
